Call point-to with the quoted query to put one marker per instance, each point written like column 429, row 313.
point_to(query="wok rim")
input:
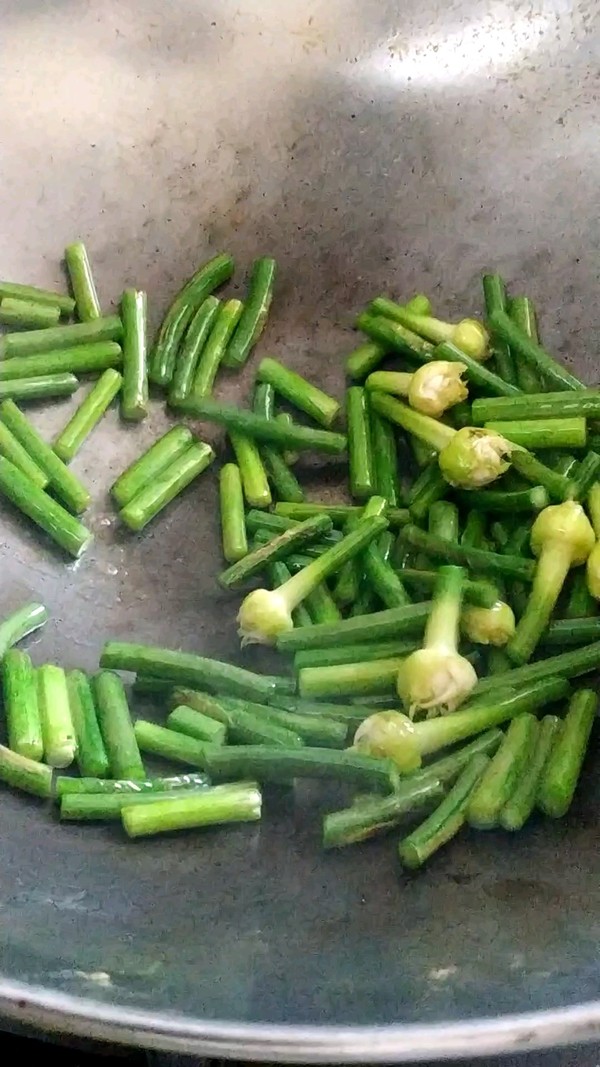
column 48, row 1011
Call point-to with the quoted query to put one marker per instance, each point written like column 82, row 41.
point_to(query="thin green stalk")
column 115, row 725
column 299, row 392
column 499, row 781
column 494, row 294
column 45, row 512
column 279, row 547
column 87, row 416
column 233, row 524
column 21, row 705
column 585, row 403
column 490, row 563
column 350, row 679
column 134, row 396
column 211, row 356
column 181, row 312
column 13, row 450
column 92, row 759
column 23, row 622
column 546, row 433
column 67, row 786
column 445, row 822
column 378, row 815
column 255, row 312
column 520, row 805
column 171, row 481
column 144, row 470
column 338, row 513
column 531, row 353
column 82, row 282
column 36, row 295
column 38, row 387
column 561, row 772
column 429, row 487
column 25, row 315
column 192, row 811
column 189, row 353
column 273, row 431
column 252, row 472
column 186, row 668
column 57, row 338
column 360, row 452
column 60, row 744
column 522, row 313
column 61, row 479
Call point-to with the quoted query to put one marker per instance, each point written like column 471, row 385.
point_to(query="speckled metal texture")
column 371, row 147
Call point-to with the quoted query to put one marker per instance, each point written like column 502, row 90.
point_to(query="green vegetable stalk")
column 432, row 389
column 593, row 571
column 267, row 613
column 468, row 334
column 469, row 458
column 436, row 678
column 561, row 537
column 392, row 735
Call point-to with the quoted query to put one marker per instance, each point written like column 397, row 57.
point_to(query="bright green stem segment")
column 186, row 668
column 24, row 314
column 100, row 807
column 15, row 453
column 368, row 678
column 429, row 430
column 273, row 431
column 561, row 773
column 66, row 786
column 445, row 822
column 171, row 481
column 25, row 774
column 252, row 471
column 56, row 338
column 181, row 312
column 360, row 444
column 38, row 387
column 533, row 354
column 82, row 282
column 170, row 744
column 42, row 509
column 134, row 396
column 233, row 523
column 303, row 583
column 279, row 547
column 522, row 313
column 521, row 804
column 92, row 759
column 35, row 295
column 144, row 470
column 238, row 803
column 58, row 732
column 543, row 433
column 189, row 353
column 115, row 724
column 225, row 322
column 254, row 314
column 385, row 459
column 433, row 734
column 494, row 293
column 77, row 359
column 193, row 723
column 64, row 483
column 378, row 815
column 593, row 506
column 20, row 624
column 550, row 574
column 441, row 631
column 88, row 415
column 21, row 705
column 302, row 394
column 501, row 776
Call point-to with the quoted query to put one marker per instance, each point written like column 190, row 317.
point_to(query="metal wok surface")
column 369, row 146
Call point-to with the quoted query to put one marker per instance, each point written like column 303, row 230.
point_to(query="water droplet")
column 105, row 521
column 111, row 569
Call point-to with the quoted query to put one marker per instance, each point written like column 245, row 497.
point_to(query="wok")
column 371, row 147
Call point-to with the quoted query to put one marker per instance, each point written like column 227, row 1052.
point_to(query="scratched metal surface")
column 369, row 149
